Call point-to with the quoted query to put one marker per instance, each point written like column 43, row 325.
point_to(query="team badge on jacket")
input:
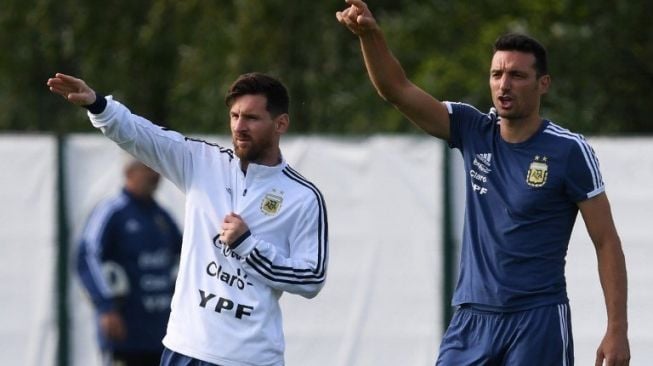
column 537, row 172
column 271, row 204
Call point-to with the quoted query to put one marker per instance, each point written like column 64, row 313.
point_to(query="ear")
column 545, row 83
column 281, row 123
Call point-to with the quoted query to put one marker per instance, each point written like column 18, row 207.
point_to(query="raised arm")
column 389, row 77
column 162, row 150
column 614, row 348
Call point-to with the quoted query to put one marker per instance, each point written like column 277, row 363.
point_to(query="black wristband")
column 98, row 106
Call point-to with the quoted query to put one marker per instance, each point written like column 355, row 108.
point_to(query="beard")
column 254, row 151
column 511, row 115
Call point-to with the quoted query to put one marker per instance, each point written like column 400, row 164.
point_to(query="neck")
column 272, row 160
column 516, row 131
column 243, row 166
column 139, row 194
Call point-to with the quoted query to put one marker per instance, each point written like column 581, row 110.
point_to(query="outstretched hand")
column 357, row 18
column 72, row 89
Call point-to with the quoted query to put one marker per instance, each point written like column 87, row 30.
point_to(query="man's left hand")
column 233, row 227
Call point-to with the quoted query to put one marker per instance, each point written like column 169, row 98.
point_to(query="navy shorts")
column 534, row 337
column 172, row 358
column 119, row 358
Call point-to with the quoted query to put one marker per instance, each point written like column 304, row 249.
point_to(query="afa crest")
column 271, row 204
column 537, row 172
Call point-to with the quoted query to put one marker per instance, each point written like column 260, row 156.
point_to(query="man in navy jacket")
column 127, row 262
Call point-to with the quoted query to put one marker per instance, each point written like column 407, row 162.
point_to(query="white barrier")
column 628, row 173
column 381, row 304
column 28, row 321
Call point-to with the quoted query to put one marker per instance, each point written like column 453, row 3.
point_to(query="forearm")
column 614, row 348
column 391, row 83
column 612, row 273
column 89, row 270
column 385, row 71
column 162, row 150
column 302, row 274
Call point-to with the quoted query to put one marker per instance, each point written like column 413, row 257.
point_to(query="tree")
column 172, row 61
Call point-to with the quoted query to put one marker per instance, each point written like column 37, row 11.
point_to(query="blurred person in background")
column 127, row 262
column 527, row 180
column 255, row 228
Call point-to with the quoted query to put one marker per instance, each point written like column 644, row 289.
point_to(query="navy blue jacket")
column 127, row 261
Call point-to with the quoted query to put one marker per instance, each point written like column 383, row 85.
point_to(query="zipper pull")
column 245, row 192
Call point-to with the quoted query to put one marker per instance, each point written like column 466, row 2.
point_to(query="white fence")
column 382, row 301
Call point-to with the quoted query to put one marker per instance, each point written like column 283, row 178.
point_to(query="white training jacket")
column 225, row 308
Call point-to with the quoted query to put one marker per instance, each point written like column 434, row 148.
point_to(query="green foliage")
column 172, row 61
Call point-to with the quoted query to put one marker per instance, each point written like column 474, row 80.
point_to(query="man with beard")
column 527, row 179
column 254, row 226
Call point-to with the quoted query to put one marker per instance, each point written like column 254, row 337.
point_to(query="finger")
column 65, row 95
column 364, row 21
column 63, row 89
column 599, row 360
column 344, row 13
column 227, row 227
column 67, row 78
column 78, row 98
column 353, row 13
column 62, row 86
column 348, row 21
column 231, row 217
column 54, row 82
column 357, row 19
column 358, row 5
column 69, row 81
column 58, row 91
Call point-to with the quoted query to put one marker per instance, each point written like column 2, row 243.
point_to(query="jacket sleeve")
column 95, row 239
column 163, row 150
column 303, row 272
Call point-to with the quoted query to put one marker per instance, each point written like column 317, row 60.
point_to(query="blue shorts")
column 172, row 358
column 537, row 337
column 110, row 358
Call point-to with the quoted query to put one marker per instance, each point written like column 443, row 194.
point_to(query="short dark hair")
column 256, row 83
column 523, row 43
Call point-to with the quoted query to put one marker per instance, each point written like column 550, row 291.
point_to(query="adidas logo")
column 485, row 158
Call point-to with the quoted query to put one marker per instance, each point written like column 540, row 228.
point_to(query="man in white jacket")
column 254, row 226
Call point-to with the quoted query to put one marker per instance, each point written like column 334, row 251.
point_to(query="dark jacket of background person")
column 127, row 262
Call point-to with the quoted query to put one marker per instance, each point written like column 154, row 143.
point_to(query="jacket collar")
column 256, row 171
